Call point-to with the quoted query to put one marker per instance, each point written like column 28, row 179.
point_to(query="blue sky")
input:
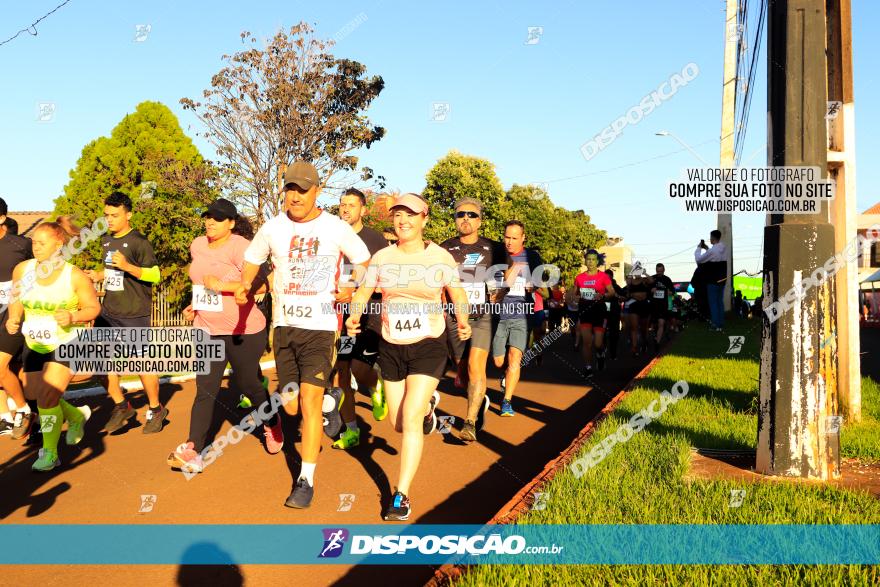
column 526, row 107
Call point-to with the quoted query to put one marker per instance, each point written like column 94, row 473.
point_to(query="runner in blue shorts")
column 512, row 335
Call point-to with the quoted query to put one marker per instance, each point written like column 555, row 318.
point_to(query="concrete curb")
column 449, row 573
column 137, row 385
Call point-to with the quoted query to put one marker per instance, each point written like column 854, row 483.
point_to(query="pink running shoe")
column 186, row 459
column 274, row 437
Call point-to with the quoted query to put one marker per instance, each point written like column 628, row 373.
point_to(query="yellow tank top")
column 41, row 331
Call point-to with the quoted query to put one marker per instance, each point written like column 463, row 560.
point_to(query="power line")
column 747, row 72
column 747, row 106
column 741, row 82
column 34, row 24
column 625, row 165
column 691, row 262
column 628, row 244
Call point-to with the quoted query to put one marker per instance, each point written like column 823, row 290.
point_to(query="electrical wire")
column 625, row 165
column 34, row 24
column 746, row 73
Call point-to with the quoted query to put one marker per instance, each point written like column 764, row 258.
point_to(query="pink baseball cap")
column 411, row 201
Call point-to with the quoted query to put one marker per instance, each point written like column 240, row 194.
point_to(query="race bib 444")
column 408, row 323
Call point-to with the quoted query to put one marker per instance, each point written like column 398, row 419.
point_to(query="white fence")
column 161, row 314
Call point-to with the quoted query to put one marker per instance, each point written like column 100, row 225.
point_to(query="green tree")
column 290, row 100
column 456, row 176
column 561, row 235
column 148, row 157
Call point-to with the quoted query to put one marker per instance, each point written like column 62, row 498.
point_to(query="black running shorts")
column 426, row 357
column 303, row 356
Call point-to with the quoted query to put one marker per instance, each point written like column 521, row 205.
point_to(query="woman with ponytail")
column 51, row 299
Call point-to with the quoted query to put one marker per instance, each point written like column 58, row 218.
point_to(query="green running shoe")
column 76, row 430
column 349, row 439
column 47, row 460
column 380, row 406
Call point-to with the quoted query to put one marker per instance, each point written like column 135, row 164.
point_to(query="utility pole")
column 728, row 105
column 796, row 433
column 842, row 169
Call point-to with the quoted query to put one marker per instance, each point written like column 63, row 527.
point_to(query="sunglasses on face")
column 471, row 215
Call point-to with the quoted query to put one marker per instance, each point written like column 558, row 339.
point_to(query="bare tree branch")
column 291, row 100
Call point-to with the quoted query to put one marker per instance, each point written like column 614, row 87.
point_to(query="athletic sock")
column 352, row 425
column 71, row 414
column 157, row 409
column 308, row 473
column 51, row 420
column 25, row 409
column 122, row 404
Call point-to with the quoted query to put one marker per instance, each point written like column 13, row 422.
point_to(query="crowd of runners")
column 401, row 309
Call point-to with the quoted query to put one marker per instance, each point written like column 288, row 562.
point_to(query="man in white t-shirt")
column 306, row 245
column 714, row 264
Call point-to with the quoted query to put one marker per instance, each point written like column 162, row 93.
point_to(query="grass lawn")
column 642, row 481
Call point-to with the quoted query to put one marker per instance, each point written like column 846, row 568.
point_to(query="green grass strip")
column 642, row 481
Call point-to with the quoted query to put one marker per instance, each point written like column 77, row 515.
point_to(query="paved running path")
column 102, row 480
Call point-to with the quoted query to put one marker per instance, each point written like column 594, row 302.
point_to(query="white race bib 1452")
column 299, row 310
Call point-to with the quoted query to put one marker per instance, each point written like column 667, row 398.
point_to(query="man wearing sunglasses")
column 474, row 255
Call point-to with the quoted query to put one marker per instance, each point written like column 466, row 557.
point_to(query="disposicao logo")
column 334, row 540
column 451, row 544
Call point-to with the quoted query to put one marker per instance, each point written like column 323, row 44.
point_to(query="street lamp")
column 666, row 133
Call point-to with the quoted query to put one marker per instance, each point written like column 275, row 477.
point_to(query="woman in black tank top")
column 637, row 286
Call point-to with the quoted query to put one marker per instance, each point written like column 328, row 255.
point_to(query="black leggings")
column 612, row 333
column 243, row 352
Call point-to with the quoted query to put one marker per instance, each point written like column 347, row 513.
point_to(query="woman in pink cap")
column 412, row 276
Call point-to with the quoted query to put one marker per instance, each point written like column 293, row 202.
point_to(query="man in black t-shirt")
column 130, row 271
column 13, row 250
column 357, row 356
column 662, row 292
column 474, row 255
